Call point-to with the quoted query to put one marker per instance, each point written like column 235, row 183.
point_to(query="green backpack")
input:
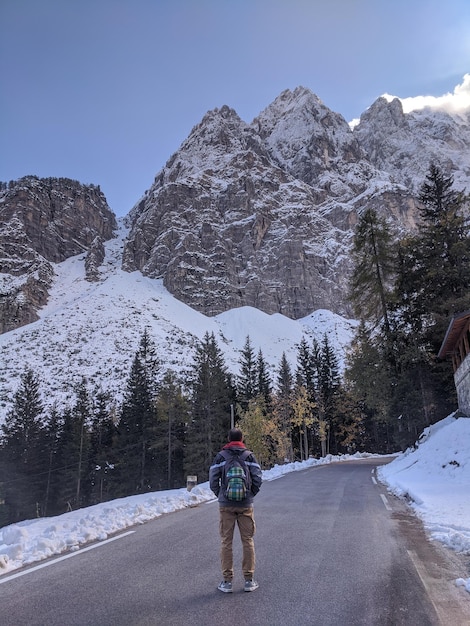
column 236, row 481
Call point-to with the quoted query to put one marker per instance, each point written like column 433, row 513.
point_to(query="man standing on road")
column 235, row 493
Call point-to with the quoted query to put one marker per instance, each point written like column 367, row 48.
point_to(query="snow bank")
column 435, row 478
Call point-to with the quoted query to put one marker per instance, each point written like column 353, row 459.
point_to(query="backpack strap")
column 244, row 455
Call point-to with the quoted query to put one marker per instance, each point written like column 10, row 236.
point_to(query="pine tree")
column 23, row 451
column 23, row 422
column 68, row 452
column 102, row 457
column 173, row 413
column 70, row 447
column 247, row 387
column 264, row 383
column 433, row 283
column 367, row 377
column 374, row 270
column 307, row 367
column 283, row 402
column 328, row 387
column 149, row 360
column 82, row 415
column 212, row 396
column 254, row 379
column 53, row 429
column 135, row 469
column 436, row 273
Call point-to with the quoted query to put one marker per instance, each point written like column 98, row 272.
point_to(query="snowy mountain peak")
column 405, row 143
column 298, row 115
column 385, row 112
column 288, row 101
column 210, row 147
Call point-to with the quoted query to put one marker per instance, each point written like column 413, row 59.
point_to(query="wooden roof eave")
column 454, row 330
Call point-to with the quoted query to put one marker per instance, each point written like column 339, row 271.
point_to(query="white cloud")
column 453, row 103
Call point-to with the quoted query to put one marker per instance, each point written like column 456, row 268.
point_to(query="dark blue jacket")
column 216, row 472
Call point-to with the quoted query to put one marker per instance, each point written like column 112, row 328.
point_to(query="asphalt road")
column 333, row 549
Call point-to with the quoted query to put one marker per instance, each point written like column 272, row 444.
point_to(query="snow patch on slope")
column 93, row 330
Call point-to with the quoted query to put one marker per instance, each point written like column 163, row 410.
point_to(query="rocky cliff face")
column 226, row 226
column 44, row 221
column 262, row 214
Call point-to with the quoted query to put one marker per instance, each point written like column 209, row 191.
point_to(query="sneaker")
column 225, row 586
column 251, row 585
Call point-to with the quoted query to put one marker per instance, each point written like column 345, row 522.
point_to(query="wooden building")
column 456, row 344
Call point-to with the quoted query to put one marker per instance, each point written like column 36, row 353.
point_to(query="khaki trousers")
column 229, row 515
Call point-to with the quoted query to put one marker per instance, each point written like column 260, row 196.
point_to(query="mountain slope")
column 92, row 330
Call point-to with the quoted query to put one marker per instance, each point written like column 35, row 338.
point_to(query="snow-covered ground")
column 435, row 477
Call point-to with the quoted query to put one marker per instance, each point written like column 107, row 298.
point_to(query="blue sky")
column 104, row 91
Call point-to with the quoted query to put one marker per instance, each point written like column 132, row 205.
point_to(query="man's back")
column 236, row 506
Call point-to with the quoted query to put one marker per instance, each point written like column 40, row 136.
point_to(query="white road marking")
column 424, row 578
column 385, row 501
column 62, row 558
column 374, row 481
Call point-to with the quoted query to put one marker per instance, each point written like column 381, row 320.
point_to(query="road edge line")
column 6, row 578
